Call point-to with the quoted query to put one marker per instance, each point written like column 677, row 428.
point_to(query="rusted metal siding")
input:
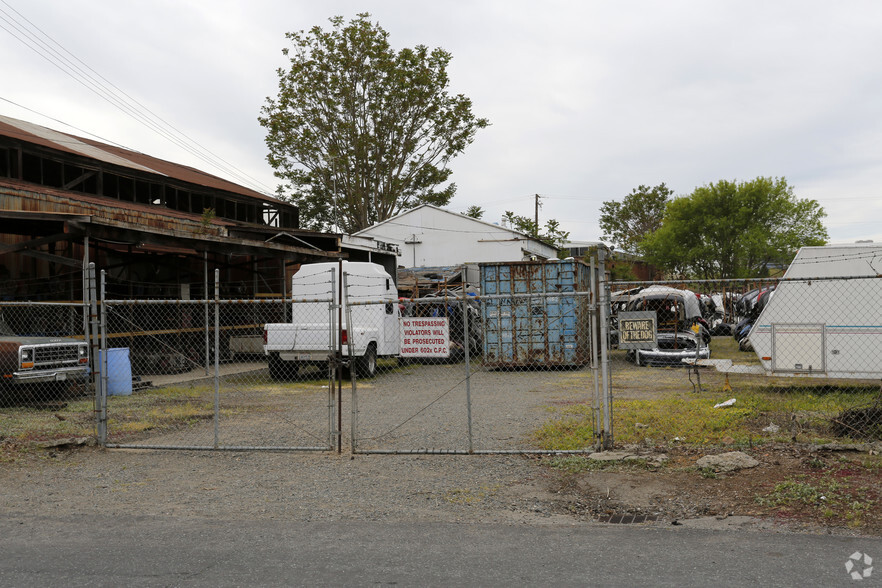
column 48, row 200
column 550, row 327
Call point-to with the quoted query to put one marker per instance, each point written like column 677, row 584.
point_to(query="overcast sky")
column 587, row 100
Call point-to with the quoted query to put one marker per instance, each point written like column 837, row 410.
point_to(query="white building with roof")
column 429, row 236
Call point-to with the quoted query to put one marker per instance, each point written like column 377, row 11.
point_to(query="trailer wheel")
column 366, row 365
column 281, row 370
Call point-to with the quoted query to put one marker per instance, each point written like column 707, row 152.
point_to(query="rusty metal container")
column 536, row 313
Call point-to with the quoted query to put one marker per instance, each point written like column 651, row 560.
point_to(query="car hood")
column 690, row 302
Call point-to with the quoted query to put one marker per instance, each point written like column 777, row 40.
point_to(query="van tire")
column 281, row 370
column 366, row 365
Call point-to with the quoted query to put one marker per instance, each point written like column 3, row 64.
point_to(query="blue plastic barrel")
column 119, row 371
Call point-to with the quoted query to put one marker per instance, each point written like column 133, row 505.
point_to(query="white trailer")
column 825, row 318
column 310, row 337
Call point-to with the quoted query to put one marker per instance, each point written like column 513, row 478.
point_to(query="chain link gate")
column 485, row 372
column 192, row 374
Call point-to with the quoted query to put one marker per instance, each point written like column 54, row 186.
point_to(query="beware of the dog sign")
column 637, row 330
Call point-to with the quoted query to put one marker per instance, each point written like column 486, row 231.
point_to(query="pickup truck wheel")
column 281, row 370
column 366, row 365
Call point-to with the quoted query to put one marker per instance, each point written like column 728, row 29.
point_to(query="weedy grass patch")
column 576, row 464
column 23, row 427
column 162, row 408
column 54, row 420
column 567, row 433
column 845, row 491
column 469, row 495
column 146, row 411
column 727, row 348
column 761, row 413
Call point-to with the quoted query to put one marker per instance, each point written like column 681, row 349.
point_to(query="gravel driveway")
column 278, row 485
column 421, row 406
column 418, row 407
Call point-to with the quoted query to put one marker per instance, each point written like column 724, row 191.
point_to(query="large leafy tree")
column 735, row 229
column 625, row 224
column 359, row 131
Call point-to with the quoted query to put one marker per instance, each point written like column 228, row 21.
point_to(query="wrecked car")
column 749, row 307
column 618, row 302
column 682, row 332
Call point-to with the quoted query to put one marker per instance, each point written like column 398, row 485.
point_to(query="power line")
column 111, row 93
column 100, row 138
column 72, row 70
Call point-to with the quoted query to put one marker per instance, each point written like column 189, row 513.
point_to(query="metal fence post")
column 334, row 373
column 339, row 354
column 352, row 375
column 598, row 421
column 105, row 377
column 94, row 335
column 607, row 433
column 216, row 358
column 467, row 343
column 205, row 297
column 351, row 361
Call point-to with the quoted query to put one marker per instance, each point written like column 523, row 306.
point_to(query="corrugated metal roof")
column 45, row 137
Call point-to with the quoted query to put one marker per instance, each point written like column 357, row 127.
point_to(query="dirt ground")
column 793, row 489
column 800, row 488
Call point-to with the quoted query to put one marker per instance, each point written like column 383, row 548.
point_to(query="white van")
column 311, row 337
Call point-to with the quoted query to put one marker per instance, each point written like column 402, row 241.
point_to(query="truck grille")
column 56, row 355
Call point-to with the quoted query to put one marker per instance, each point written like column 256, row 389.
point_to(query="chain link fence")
column 450, row 372
column 538, row 357
column 747, row 361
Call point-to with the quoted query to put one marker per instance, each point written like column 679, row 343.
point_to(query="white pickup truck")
column 310, row 337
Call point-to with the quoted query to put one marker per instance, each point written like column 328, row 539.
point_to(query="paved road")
column 156, row 551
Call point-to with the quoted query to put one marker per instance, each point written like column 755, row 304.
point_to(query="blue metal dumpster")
column 532, row 315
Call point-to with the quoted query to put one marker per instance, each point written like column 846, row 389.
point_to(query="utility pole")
column 537, row 214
